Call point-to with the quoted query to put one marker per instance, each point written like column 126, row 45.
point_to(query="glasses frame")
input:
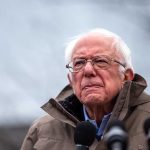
column 70, row 68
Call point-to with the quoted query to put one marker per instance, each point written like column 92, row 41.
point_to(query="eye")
column 79, row 62
column 101, row 60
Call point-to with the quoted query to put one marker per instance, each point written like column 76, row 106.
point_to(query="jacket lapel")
column 53, row 108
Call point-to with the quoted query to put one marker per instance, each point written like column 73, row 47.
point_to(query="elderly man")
column 103, row 87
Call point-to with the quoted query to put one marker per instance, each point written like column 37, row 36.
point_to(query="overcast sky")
column 33, row 34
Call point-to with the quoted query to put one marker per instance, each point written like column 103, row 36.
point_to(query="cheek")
column 76, row 84
column 114, row 82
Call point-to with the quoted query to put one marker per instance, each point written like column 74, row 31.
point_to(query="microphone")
column 84, row 135
column 116, row 137
column 146, row 128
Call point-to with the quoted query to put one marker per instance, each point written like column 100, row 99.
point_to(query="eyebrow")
column 95, row 56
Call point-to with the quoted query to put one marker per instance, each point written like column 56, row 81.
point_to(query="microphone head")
column 146, row 126
column 116, row 133
column 85, row 133
column 116, row 123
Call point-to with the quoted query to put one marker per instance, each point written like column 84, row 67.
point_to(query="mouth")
column 93, row 86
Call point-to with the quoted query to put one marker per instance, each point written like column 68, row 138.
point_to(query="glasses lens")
column 102, row 62
column 78, row 64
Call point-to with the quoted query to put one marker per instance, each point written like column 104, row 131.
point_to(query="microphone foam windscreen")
column 146, row 126
column 85, row 133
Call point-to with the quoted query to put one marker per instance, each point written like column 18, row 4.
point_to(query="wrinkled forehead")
column 96, row 42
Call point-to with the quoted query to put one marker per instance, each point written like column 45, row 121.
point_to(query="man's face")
column 93, row 86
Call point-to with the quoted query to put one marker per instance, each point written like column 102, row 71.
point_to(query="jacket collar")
column 54, row 107
column 128, row 97
column 135, row 91
column 131, row 95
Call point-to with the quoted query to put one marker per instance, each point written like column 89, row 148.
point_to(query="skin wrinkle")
column 101, row 86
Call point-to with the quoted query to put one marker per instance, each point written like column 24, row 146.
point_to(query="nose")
column 89, row 69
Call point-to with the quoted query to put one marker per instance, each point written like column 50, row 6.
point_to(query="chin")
column 94, row 99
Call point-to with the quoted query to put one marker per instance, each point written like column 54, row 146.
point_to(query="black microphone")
column 84, row 135
column 146, row 128
column 116, row 137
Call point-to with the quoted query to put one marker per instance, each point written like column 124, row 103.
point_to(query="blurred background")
column 33, row 34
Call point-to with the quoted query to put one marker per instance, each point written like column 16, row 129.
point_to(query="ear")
column 129, row 75
column 69, row 78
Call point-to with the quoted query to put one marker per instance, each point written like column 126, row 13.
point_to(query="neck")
column 97, row 112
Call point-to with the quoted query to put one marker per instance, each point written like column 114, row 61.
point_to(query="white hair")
column 118, row 43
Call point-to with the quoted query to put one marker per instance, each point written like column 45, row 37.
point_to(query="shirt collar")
column 86, row 117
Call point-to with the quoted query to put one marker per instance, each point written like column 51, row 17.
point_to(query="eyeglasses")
column 101, row 62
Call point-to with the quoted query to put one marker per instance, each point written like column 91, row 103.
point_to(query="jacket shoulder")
column 49, row 132
column 32, row 134
column 42, row 120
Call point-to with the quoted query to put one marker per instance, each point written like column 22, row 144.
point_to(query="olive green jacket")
column 55, row 131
